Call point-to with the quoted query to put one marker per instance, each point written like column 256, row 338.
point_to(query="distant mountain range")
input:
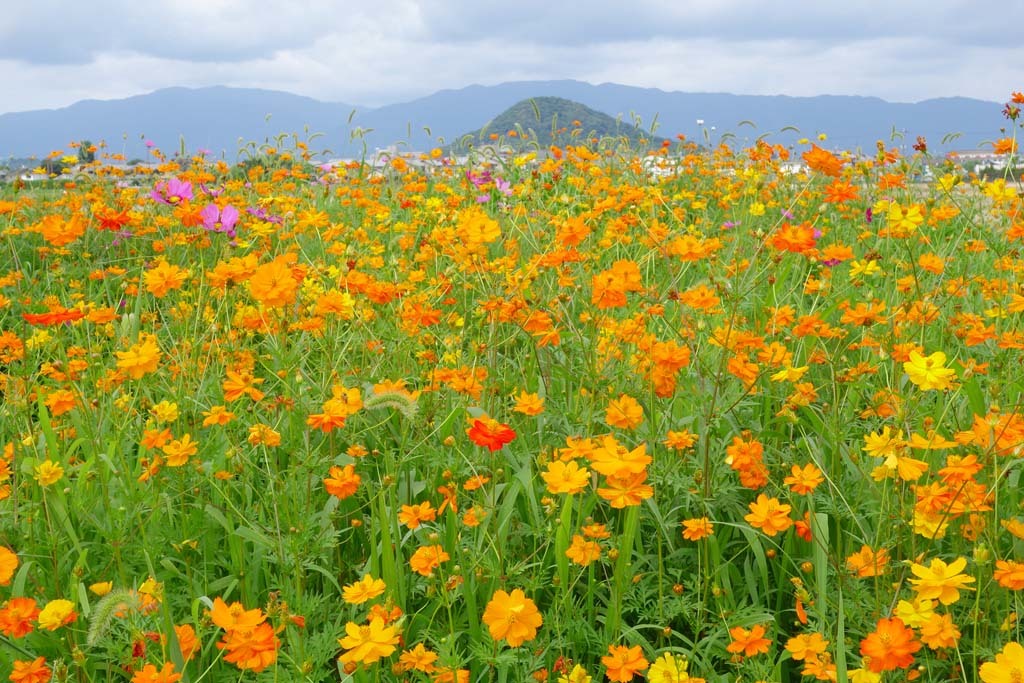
column 222, row 119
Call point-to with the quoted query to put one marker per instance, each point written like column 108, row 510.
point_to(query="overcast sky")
column 56, row 52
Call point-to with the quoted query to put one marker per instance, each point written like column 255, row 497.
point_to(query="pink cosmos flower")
column 220, row 220
column 174, row 191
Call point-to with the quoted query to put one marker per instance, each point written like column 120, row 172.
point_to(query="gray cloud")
column 54, row 53
column 958, row 22
column 61, row 32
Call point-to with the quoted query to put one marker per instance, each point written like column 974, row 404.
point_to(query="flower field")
column 575, row 414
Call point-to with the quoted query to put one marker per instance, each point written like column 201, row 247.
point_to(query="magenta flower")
column 263, row 215
column 479, row 180
column 220, row 220
column 174, row 191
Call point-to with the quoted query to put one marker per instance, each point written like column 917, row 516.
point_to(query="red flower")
column 55, row 316
column 489, row 433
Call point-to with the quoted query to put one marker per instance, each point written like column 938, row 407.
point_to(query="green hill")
column 552, row 121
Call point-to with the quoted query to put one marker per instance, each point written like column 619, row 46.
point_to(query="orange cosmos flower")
column 241, row 383
column 164, row 278
column 626, row 491
column 17, row 616
column 489, row 433
column 188, row 643
column 680, row 440
column 180, row 450
column 624, row 412
column 367, row 588
column 696, row 529
column 1009, row 574
column 450, row 499
column 867, row 562
column 1004, row 146
column 150, row 674
column 342, row 482
column 622, row 663
column 344, row 401
column 475, row 482
column 58, row 231
column 939, row 631
column 428, row 558
column 8, row 563
column 806, row 646
column 612, row 459
column 529, row 404
column 599, row 531
column 823, row 161
column 152, row 438
column 234, row 616
column 890, row 646
column 582, row 551
column 769, row 515
column 272, row 284
column 840, row 192
column 35, row 671
column 745, row 455
column 414, row 515
column 798, row 239
column 251, row 650
column 141, row 358
column 451, row 675
column 748, row 643
column 609, row 287
column 260, row 434
column 418, row 658
column 512, row 617
column 250, row 642
column 804, row 480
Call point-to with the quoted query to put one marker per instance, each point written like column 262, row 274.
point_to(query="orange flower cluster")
column 249, row 641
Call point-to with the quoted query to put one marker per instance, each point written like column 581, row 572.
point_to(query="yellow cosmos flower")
column 929, row 372
column 941, row 581
column 669, row 668
column 1008, row 667
column 367, row 588
column 48, row 473
column 577, row 675
column 56, row 614
column 562, row 477
column 369, row 643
